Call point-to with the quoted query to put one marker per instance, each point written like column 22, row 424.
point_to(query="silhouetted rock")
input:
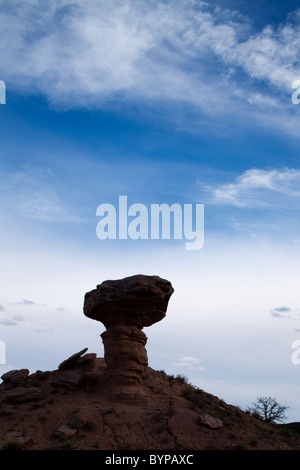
column 125, row 354
column 72, row 360
column 125, row 306
column 15, row 377
column 22, row 394
column 69, row 379
column 138, row 300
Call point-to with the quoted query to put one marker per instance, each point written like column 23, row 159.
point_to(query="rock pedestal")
column 125, row 354
column 125, row 307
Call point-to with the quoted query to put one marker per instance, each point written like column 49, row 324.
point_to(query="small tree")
column 269, row 409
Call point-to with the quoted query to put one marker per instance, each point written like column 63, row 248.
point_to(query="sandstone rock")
column 136, row 301
column 69, row 363
column 125, row 307
column 64, row 431
column 23, row 394
column 87, row 360
column 15, row 377
column 91, row 380
column 38, row 376
column 125, row 354
column 69, row 379
column 211, row 421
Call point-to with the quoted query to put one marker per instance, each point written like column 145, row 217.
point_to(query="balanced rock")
column 125, row 307
column 136, row 300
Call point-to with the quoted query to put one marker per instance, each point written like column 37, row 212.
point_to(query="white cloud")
column 94, row 52
column 286, row 313
column 14, row 320
column 31, row 195
column 26, row 302
column 189, row 362
column 7, row 322
column 259, row 188
column 18, row 318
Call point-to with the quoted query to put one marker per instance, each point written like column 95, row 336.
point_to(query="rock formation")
column 125, row 307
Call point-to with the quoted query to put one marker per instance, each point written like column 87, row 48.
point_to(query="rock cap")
column 138, row 300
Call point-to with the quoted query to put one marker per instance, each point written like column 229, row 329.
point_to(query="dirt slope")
column 169, row 415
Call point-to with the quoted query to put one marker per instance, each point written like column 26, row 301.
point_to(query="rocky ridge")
column 69, row 408
column 118, row 402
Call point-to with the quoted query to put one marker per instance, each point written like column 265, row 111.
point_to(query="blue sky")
column 183, row 102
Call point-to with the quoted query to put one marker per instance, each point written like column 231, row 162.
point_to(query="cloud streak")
column 258, row 188
column 96, row 53
column 30, row 193
column 13, row 321
column 189, row 362
column 286, row 313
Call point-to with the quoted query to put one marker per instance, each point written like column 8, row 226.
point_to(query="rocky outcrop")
column 15, row 377
column 125, row 307
column 72, row 371
column 69, row 379
column 22, row 394
column 77, row 360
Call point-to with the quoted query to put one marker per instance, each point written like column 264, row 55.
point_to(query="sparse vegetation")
column 240, row 445
column 182, row 378
column 195, row 396
column 268, row 409
column 12, row 445
column 162, row 424
column 76, row 422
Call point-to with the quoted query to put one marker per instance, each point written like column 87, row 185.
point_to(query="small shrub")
column 12, row 445
column 196, row 397
column 253, row 442
column 241, row 446
column 182, row 378
column 74, row 421
column 88, row 426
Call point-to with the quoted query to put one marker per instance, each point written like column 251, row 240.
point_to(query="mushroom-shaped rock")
column 125, row 306
column 138, row 300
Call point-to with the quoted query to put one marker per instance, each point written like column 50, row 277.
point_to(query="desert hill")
column 72, row 408
column 119, row 403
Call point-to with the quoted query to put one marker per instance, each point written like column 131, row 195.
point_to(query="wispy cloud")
column 281, row 312
column 31, row 194
column 284, row 312
column 28, row 302
column 25, row 302
column 259, row 188
column 94, row 53
column 189, row 362
column 13, row 321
